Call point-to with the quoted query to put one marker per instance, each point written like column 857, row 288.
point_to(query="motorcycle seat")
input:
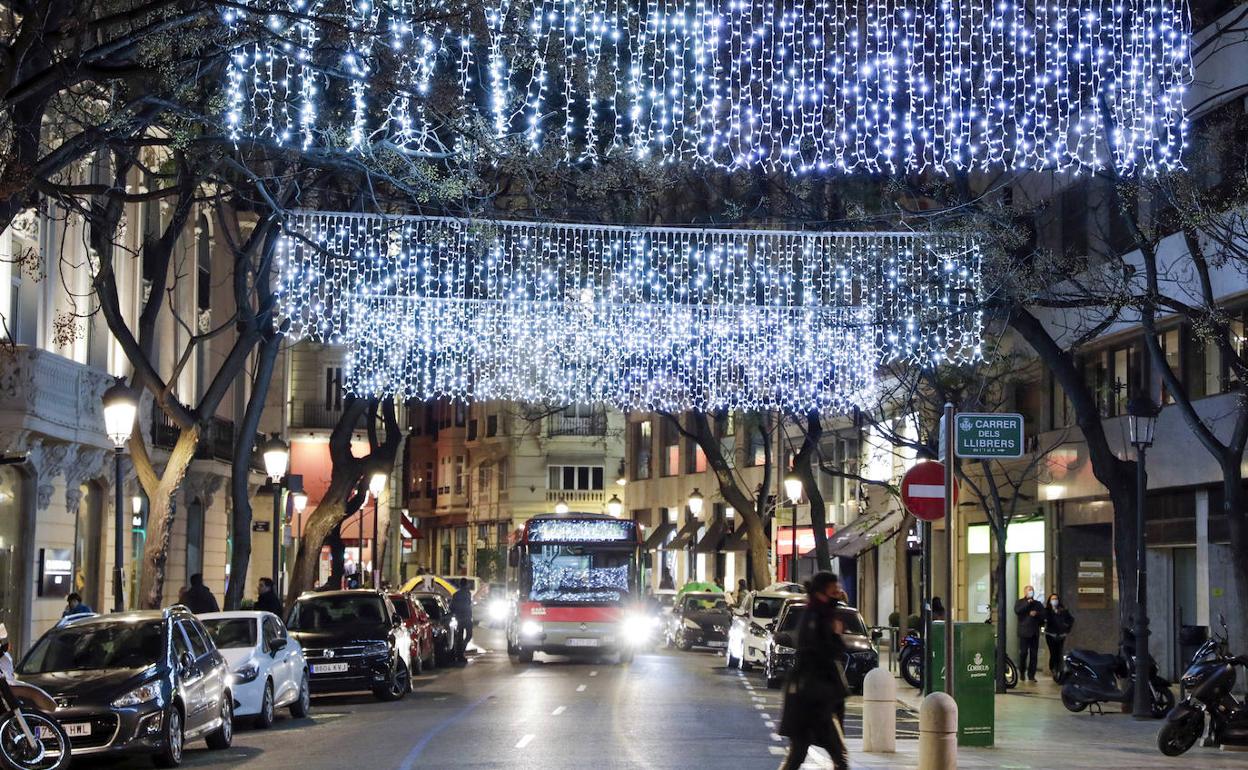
column 1094, row 658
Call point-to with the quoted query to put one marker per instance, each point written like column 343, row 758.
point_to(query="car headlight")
column 782, row 650
column 691, row 625
column 141, row 694
column 636, row 629
column 377, row 650
column 498, row 610
column 530, row 628
column 246, row 673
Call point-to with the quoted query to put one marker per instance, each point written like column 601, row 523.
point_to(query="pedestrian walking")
column 1030, row 614
column 74, row 607
column 1057, row 624
column 938, row 608
column 461, row 608
column 814, row 693
column 199, row 598
column 738, row 599
column 267, row 599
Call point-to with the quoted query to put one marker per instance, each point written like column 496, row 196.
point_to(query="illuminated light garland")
column 581, row 530
column 878, row 86
column 636, row 317
column 556, row 582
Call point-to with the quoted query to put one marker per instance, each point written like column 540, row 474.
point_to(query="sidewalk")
column 1034, row 730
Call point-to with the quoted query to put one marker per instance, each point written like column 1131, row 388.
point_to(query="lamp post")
column 1142, row 420
column 276, row 456
column 120, row 408
column 696, row 502
column 615, row 506
column 793, row 491
column 376, row 485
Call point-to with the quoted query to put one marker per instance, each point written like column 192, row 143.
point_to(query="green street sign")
column 988, row 436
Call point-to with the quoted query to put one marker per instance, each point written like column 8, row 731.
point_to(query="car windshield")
column 792, row 618
column 579, row 573
column 432, row 608
column 321, row 613
column 704, row 603
column 95, row 646
column 231, row 632
column 767, row 608
column 853, row 622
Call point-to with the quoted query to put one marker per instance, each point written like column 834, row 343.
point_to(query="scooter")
column 30, row 737
column 911, row 662
column 1207, row 686
column 1092, row 678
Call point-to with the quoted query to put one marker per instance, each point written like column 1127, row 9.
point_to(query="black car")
column 444, row 623
column 861, row 654
column 135, row 683
column 353, row 640
column 699, row 620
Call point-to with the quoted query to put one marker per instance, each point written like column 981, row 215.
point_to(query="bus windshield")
column 580, row 573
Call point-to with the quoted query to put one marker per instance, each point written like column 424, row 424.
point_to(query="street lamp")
column 1142, row 420
column 120, row 409
column 793, row 490
column 696, row 502
column 562, row 506
column 615, row 506
column 276, row 455
column 376, row 484
column 136, row 510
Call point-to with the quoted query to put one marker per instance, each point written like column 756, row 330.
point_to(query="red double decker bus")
column 575, row 579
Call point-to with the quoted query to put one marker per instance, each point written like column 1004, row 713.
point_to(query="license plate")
column 582, row 642
column 329, row 668
column 717, row 644
column 73, row 730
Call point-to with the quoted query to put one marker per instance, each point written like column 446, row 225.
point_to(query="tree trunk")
column 160, row 518
column 240, row 473
column 1234, row 507
column 804, row 464
column 1002, row 603
column 337, row 559
column 317, row 526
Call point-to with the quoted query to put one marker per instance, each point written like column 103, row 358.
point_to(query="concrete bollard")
column 879, row 712
column 938, row 732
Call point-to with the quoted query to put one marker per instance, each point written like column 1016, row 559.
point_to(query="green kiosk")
column 974, row 649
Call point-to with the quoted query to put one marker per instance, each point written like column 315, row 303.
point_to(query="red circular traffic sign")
column 923, row 490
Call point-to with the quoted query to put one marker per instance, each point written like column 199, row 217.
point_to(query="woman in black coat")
column 814, row 695
column 1057, row 624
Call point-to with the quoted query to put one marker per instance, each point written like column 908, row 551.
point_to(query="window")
column 671, row 447
column 472, row 430
column 642, row 448
column 756, row 449
column 695, row 458
column 1170, row 341
column 195, row 537
column 272, row 632
column 1114, row 375
column 444, row 475
column 575, row 477
column 485, row 480
column 203, row 260
column 199, row 645
column 483, row 533
column 333, row 388
column 460, row 475
column 428, row 480
column 504, row 534
column 726, row 430
column 491, row 426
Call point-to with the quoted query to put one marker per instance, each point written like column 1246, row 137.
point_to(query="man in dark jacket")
column 198, row 598
column 814, row 694
column 461, row 608
column 266, row 598
column 1030, row 614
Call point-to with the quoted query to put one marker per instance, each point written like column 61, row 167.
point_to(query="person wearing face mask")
column 1057, row 624
column 1030, row 614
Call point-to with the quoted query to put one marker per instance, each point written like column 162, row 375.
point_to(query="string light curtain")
column 650, row 317
column 809, row 86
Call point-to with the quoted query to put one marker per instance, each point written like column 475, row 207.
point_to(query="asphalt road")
column 665, row 710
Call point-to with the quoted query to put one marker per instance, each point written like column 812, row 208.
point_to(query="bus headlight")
column 497, row 610
column 636, row 630
column 530, row 628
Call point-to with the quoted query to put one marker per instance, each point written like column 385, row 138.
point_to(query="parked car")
column 861, row 653
column 699, row 619
column 420, row 629
column 268, row 668
column 747, row 636
column 135, row 683
column 353, row 640
column 445, row 625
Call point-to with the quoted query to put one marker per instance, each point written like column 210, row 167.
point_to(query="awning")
column 660, row 533
column 736, row 542
column 685, row 536
column 866, row 532
column 711, row 540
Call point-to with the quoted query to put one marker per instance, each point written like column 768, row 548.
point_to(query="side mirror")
column 876, row 634
column 186, row 663
column 277, row 645
column 784, row 638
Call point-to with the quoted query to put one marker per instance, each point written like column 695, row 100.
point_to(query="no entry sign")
column 923, row 491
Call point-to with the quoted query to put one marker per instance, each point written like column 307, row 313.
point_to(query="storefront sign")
column 805, row 540
column 56, row 572
column 988, row 436
column 1092, row 584
column 259, row 526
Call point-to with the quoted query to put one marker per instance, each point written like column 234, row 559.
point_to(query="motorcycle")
column 1207, row 686
column 1091, row 678
column 911, row 662
column 30, row 737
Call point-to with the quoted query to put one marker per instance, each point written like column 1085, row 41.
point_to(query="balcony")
column 52, row 395
column 216, row 442
column 594, row 424
column 315, row 415
column 573, row 496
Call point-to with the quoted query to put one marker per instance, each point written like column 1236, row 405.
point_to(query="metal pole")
column 950, row 540
column 119, row 527
column 359, row 558
column 925, row 602
column 1143, row 707
column 277, row 537
column 376, row 560
column 793, row 544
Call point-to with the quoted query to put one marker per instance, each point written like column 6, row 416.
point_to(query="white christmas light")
column 879, row 86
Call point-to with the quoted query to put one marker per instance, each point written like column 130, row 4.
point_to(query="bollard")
column 938, row 732
column 879, row 712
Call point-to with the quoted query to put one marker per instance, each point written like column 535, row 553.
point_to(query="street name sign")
column 988, row 436
column 923, row 491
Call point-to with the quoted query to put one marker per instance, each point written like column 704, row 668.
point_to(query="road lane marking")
column 776, row 737
column 779, row 751
column 525, row 741
column 766, row 717
column 558, row 711
column 760, row 706
column 593, row 673
column 580, row 688
column 771, row 725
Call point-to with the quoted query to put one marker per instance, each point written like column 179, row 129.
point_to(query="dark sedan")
column 353, row 640
column 444, row 623
column 135, row 683
column 861, row 654
column 699, row 620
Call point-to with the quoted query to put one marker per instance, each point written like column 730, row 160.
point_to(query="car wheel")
column 683, row 645
column 170, row 754
column 525, row 656
column 303, row 704
column 398, row 685
column 264, row 720
column 223, row 736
